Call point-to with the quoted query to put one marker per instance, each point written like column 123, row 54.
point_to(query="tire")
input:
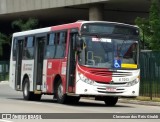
column 111, row 101
column 27, row 95
column 61, row 98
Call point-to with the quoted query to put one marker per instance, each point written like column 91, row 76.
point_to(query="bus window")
column 14, row 49
column 61, row 44
column 28, row 48
column 50, row 48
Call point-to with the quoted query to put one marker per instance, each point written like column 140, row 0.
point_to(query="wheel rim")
column 60, row 91
column 26, row 89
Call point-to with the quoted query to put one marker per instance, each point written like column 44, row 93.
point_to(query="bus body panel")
column 12, row 74
column 32, row 32
column 28, row 69
column 66, row 26
column 44, row 85
column 55, row 67
column 113, row 86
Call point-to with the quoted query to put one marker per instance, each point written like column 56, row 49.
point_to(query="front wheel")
column 61, row 97
column 111, row 101
column 27, row 95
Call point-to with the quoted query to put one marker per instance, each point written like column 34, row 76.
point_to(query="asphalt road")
column 12, row 102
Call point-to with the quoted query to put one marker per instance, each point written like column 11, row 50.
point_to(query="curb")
column 129, row 101
column 3, row 82
column 139, row 102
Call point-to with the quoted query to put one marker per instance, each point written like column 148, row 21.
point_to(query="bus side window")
column 61, row 44
column 29, row 48
column 50, row 48
column 14, row 49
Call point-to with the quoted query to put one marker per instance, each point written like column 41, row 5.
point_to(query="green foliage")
column 23, row 25
column 3, row 40
column 143, row 24
column 150, row 28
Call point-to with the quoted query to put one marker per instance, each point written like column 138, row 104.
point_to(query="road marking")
column 2, row 120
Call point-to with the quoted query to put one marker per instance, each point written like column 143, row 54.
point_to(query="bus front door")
column 40, row 43
column 71, row 63
column 19, row 47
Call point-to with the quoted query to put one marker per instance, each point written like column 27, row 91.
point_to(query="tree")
column 150, row 28
column 143, row 25
column 154, row 22
column 22, row 25
column 25, row 24
column 3, row 40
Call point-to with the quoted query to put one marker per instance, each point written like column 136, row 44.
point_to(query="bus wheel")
column 111, row 101
column 27, row 95
column 61, row 98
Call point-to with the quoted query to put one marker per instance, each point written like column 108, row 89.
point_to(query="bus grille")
column 111, row 83
column 111, row 73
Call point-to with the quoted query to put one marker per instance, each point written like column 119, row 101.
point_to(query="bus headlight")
column 85, row 79
column 135, row 81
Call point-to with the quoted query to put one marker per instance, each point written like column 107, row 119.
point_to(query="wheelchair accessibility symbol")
column 117, row 63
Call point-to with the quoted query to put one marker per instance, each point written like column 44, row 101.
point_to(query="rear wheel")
column 111, row 101
column 61, row 97
column 27, row 95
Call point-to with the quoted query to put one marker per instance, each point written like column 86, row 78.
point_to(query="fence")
column 150, row 73
column 4, row 70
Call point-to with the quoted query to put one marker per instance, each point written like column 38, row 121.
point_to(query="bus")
column 97, row 59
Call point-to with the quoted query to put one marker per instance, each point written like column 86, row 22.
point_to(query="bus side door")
column 18, row 58
column 39, row 57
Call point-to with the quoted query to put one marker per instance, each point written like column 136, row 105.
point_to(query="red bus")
column 87, row 58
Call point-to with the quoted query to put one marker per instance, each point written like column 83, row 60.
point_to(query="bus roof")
column 63, row 27
column 30, row 32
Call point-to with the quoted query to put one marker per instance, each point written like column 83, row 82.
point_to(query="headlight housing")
column 131, row 83
column 85, row 79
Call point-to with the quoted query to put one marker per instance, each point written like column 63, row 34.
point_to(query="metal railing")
column 150, row 74
column 4, row 70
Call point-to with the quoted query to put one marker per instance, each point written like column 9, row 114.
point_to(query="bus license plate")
column 110, row 89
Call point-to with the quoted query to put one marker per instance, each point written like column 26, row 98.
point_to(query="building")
column 53, row 12
column 64, row 11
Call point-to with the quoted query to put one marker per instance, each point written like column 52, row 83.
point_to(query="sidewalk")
column 140, row 102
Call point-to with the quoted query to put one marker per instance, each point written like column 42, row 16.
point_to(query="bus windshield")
column 103, row 52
